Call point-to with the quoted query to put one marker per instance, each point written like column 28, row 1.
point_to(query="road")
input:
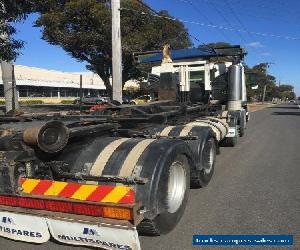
column 255, row 188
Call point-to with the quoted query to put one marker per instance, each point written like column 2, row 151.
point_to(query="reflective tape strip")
column 186, row 130
column 29, row 184
column 104, row 156
column 116, row 194
column 56, row 188
column 133, row 157
column 166, row 131
column 83, row 192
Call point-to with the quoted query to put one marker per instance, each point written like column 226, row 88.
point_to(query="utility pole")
column 265, row 85
column 264, row 94
column 8, row 78
column 116, row 51
column 80, row 93
column 9, row 86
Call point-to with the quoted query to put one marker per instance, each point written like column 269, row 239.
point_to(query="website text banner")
column 242, row 240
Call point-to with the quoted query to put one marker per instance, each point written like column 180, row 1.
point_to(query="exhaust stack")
column 235, row 87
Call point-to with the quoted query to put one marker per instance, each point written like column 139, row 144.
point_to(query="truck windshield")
column 196, row 78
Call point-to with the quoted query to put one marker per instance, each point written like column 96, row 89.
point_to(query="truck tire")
column 243, row 121
column 241, row 131
column 203, row 150
column 173, row 191
column 157, row 160
column 201, row 177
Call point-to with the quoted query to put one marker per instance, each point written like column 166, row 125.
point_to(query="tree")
column 83, row 29
column 286, row 91
column 257, row 75
column 262, row 78
column 216, row 45
column 11, row 11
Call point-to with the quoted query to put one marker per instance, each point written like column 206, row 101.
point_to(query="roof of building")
column 31, row 76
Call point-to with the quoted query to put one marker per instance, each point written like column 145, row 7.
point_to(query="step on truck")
column 102, row 178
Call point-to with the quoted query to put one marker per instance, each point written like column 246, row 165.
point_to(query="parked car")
column 92, row 99
column 126, row 99
column 140, row 100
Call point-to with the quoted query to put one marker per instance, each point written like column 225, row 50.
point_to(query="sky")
column 269, row 30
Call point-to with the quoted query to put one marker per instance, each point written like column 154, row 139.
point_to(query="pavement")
column 255, row 188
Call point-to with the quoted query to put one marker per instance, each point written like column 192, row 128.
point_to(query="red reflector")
column 87, row 209
column 8, row 201
column 59, row 206
column 31, row 203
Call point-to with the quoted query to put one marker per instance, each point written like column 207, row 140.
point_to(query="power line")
column 241, row 24
column 184, row 32
column 202, row 14
column 253, row 10
column 228, row 22
column 190, row 2
column 249, row 33
column 221, row 27
column 225, row 19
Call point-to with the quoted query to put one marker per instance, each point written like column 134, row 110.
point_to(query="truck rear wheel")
column 165, row 163
column 173, row 192
column 201, row 177
column 243, row 121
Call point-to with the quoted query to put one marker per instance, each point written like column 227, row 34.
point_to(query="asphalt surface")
column 255, row 188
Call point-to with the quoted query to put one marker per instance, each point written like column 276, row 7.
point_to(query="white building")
column 52, row 83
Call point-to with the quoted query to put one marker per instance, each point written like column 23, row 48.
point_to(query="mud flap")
column 94, row 235
column 231, row 132
column 23, row 227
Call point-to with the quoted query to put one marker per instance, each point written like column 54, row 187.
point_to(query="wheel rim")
column 176, row 186
column 209, row 158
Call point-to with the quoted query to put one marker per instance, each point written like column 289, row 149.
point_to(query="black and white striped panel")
column 120, row 157
column 182, row 130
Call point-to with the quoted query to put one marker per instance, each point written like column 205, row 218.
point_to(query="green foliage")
column 10, row 12
column 29, row 102
column 131, row 91
column 258, row 75
column 286, row 92
column 83, row 29
column 25, row 102
column 217, row 45
column 67, row 101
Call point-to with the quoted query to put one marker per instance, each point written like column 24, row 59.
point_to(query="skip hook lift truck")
column 99, row 179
